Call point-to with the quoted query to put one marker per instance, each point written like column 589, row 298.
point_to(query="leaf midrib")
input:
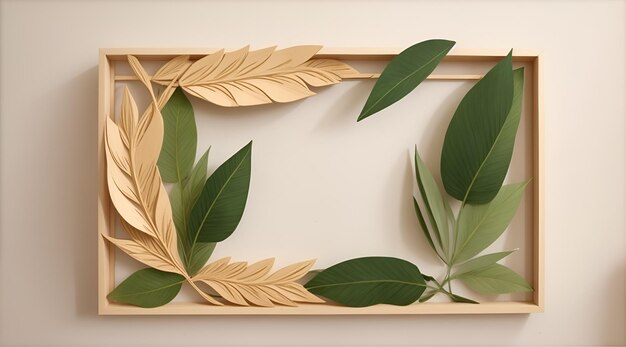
column 402, row 81
column 365, row 282
column 471, row 234
column 206, row 215
column 151, row 290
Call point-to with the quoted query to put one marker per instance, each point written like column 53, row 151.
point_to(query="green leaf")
column 458, row 298
column 427, row 296
column 221, row 203
column 495, row 279
column 184, row 195
column 369, row 281
column 480, row 225
column 435, row 207
column 202, row 252
column 179, row 139
column 148, row 288
column 405, row 72
column 479, row 263
column 478, row 145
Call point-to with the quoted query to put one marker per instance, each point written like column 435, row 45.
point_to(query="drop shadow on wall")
column 82, row 152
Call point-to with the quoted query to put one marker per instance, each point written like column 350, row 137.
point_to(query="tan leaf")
column 241, row 284
column 171, row 70
column 246, row 78
column 140, row 72
column 135, row 185
column 140, row 253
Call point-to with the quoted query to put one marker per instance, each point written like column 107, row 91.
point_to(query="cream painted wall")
column 48, row 101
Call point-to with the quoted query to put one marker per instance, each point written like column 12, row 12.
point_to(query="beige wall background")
column 48, row 106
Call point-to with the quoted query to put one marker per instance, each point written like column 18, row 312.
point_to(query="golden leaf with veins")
column 132, row 150
column 241, row 284
column 246, row 78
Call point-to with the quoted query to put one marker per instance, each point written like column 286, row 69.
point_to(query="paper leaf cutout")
column 436, row 207
column 142, row 254
column 148, row 288
column 404, row 73
column 480, row 225
column 243, row 284
column 180, row 139
column 495, row 279
column 478, row 144
column 246, row 78
column 171, row 70
column 134, row 181
column 220, row 205
column 369, row 281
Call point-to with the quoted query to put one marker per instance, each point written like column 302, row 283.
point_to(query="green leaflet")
column 148, row 288
column 221, row 203
column 405, row 72
column 495, row 279
column 479, row 141
column 201, row 254
column 480, row 225
column 435, row 206
column 369, row 281
column 458, row 298
column 479, row 263
column 179, row 139
column 183, row 196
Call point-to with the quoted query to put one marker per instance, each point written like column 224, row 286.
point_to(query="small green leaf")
column 495, row 279
column 428, row 278
column 179, row 138
column 148, row 288
column 478, row 144
column 436, row 208
column 425, row 230
column 480, row 225
column 458, row 298
column 405, row 72
column 202, row 253
column 479, row 263
column 369, row 281
column 427, row 296
column 221, row 203
column 184, row 195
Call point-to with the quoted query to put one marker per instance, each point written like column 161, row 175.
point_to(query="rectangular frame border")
column 106, row 254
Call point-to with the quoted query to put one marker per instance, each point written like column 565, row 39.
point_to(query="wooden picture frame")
column 106, row 213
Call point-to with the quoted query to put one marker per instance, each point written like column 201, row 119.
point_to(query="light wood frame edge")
column 105, row 220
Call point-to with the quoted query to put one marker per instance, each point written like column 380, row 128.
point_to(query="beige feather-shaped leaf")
column 141, row 254
column 243, row 285
column 246, row 78
column 171, row 70
column 135, row 185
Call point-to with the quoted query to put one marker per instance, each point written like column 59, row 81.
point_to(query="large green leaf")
column 405, row 72
column 148, row 288
column 435, row 206
column 495, row 279
column 179, row 139
column 480, row 225
column 221, row 203
column 479, row 141
column 369, row 281
column 479, row 263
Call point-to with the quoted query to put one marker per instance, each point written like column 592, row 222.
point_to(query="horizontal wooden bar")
column 361, row 76
column 326, row 309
